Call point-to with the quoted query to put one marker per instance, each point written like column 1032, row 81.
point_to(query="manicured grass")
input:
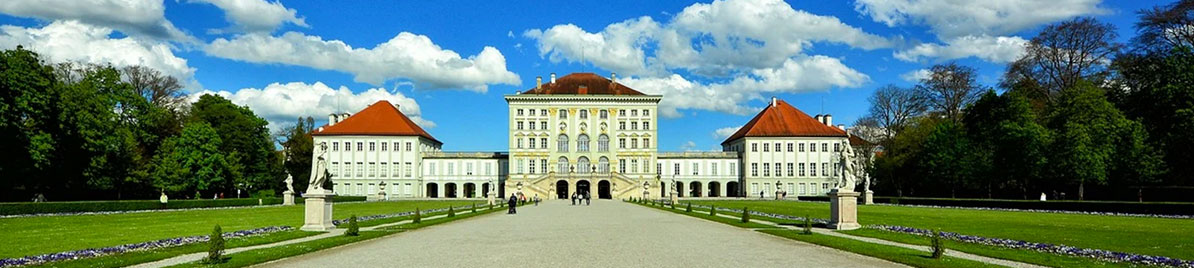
column 49, row 234
column 705, row 215
column 131, row 258
column 1026, row 256
column 1140, row 235
column 258, row 256
column 891, row 253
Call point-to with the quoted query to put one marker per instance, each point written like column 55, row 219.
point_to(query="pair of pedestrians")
column 581, row 198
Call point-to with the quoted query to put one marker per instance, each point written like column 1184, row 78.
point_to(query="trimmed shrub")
column 938, row 245
column 491, row 206
column 1160, row 208
column 712, row 210
column 353, row 228
column 688, row 208
column 673, row 205
column 417, row 218
column 745, row 214
column 473, row 208
column 451, row 212
column 215, row 248
column 808, row 225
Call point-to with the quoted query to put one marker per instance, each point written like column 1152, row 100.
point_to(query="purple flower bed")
column 1099, row 254
column 765, row 214
column 386, row 216
column 164, row 243
column 1048, row 211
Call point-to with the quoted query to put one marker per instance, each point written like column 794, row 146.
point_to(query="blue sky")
column 448, row 63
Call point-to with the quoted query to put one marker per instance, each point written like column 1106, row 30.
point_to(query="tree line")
column 1078, row 113
column 83, row 132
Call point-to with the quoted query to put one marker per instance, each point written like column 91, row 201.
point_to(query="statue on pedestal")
column 849, row 169
column 319, row 170
column 288, row 195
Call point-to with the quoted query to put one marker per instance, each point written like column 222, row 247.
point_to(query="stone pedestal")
column 318, row 211
column 843, row 210
column 287, row 198
column 380, row 196
column 868, row 197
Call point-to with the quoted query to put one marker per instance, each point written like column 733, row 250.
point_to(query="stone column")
column 843, row 210
column 318, row 206
column 868, row 197
column 288, row 198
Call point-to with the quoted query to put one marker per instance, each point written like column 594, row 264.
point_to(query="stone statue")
column 319, row 169
column 849, row 168
column 289, row 183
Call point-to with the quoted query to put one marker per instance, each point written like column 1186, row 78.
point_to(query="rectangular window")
column 633, row 143
column 633, row 112
column 696, row 168
column 825, row 186
column 563, row 114
column 531, row 125
column 801, row 147
column 489, row 167
column 837, row 147
column 604, row 114
column 335, row 146
column 812, row 169
column 825, row 169
column 621, row 125
column 646, row 125
column 836, row 167
column 395, row 171
column 381, row 171
column 812, row 147
column 790, row 145
column 733, row 169
column 360, row 146
column 677, row 168
column 824, row 147
column 372, row 146
column 791, row 169
column 396, row 147
column 519, row 141
column 646, row 112
column 532, row 166
column 408, row 146
column 766, row 169
column 621, row 143
column 802, row 169
column 451, row 168
column 361, row 169
column 633, row 125
column 766, row 147
column 531, row 142
column 519, row 125
column 431, row 169
column 531, row 111
column 754, row 147
column 543, row 143
column 634, row 165
column 406, row 168
column 468, row 168
column 518, row 166
column 754, row 169
column 779, row 170
column 622, row 166
column 334, row 168
column 646, row 142
column 542, row 166
column 383, row 146
column 348, row 169
column 584, row 114
column 347, row 146
column 713, row 169
column 754, row 187
column 543, row 112
column 803, row 188
column 659, row 168
column 621, row 113
column 519, row 112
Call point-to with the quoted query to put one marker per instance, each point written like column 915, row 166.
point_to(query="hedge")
column 1159, row 208
column 23, row 208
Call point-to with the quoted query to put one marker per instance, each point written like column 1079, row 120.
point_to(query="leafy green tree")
column 246, row 139
column 1095, row 142
column 298, row 145
column 898, row 168
column 192, row 161
column 1007, row 141
column 947, row 157
column 28, row 94
column 1159, row 93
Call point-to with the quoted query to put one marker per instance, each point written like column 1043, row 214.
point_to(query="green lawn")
column 1152, row 236
column 891, row 253
column 137, row 257
column 705, row 215
column 1026, row 256
column 39, row 235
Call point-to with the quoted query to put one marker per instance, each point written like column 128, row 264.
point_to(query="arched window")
column 582, row 143
column 562, row 165
column 604, row 114
column 584, row 114
column 603, row 143
column 603, row 165
column 582, row 165
column 563, row 143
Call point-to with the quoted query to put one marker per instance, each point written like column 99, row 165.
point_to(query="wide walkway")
column 605, row 234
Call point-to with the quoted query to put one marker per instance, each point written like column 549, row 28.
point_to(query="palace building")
column 582, row 133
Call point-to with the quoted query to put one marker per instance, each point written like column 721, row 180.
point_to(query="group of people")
column 516, row 199
column 581, row 197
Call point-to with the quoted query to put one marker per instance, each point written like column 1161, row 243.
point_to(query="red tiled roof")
column 379, row 119
column 783, row 120
column 583, row 84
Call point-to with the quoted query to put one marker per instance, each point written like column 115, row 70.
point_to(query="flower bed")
column 156, row 244
column 27, row 209
column 1099, row 254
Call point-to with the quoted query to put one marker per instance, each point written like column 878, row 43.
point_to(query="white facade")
column 701, row 174
column 358, row 164
column 462, row 174
column 802, row 166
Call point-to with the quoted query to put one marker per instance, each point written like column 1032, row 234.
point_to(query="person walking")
column 573, row 199
column 536, row 199
column 588, row 198
column 513, row 202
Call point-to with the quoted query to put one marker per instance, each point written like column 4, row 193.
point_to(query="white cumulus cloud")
column 132, row 17
column 1001, row 49
column 949, row 18
column 282, row 104
column 406, row 56
column 725, row 132
column 63, row 41
column 257, row 15
column 916, row 76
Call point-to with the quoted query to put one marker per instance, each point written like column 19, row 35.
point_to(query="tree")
column 1158, row 91
column 28, row 93
column 246, row 140
column 1094, row 142
column 948, row 157
column 1007, row 140
column 193, row 161
column 949, row 88
column 1064, row 54
column 898, row 168
column 159, row 89
column 1165, row 28
column 298, row 145
column 893, row 107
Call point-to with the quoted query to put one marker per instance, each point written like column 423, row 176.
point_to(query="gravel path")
column 605, row 234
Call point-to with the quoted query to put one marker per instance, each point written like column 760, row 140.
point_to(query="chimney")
column 331, row 119
column 829, row 120
column 774, row 101
column 583, row 89
column 553, row 78
column 613, row 77
column 820, row 118
column 538, row 82
column 841, row 126
column 343, row 116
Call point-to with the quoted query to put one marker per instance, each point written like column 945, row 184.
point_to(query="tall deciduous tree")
column 1164, row 28
column 193, row 161
column 28, row 94
column 948, row 157
column 298, row 143
column 246, row 138
column 160, row 89
column 1008, row 140
column 1064, row 54
column 949, row 88
column 893, row 108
